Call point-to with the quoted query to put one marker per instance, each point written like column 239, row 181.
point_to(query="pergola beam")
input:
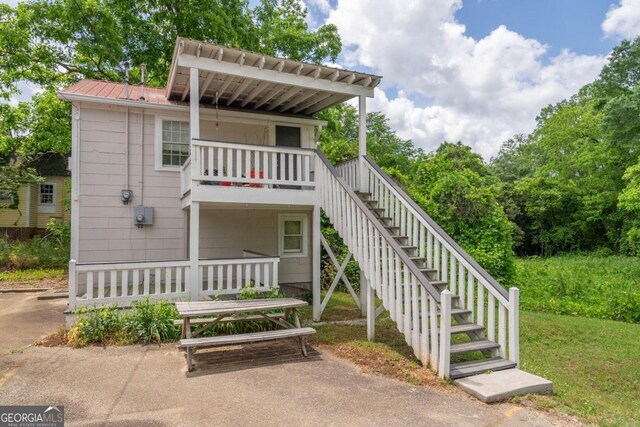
column 255, row 92
column 273, row 76
column 273, row 92
column 298, row 99
column 283, row 98
column 238, row 91
column 333, row 99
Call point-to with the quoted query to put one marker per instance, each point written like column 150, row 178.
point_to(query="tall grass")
column 588, row 285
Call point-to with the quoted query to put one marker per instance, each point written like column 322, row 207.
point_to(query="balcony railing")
column 242, row 165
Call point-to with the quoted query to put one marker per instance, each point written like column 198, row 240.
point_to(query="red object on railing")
column 253, row 175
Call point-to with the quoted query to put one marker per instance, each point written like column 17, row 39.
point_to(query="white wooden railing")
column 125, row 282
column 491, row 305
column 231, row 164
column 408, row 295
column 185, row 177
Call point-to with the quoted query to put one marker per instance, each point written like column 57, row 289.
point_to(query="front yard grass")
column 594, row 364
column 33, row 278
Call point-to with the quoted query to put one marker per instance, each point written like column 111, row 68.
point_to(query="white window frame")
column 158, row 141
column 47, row 207
column 5, row 198
column 305, row 235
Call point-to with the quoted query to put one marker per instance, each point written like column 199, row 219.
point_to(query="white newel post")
column 514, row 326
column 73, row 285
column 445, row 334
column 316, row 263
column 194, row 211
column 362, row 144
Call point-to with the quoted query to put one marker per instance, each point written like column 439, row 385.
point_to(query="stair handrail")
column 451, row 245
column 422, row 279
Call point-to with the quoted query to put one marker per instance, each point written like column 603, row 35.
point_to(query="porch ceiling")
column 237, row 78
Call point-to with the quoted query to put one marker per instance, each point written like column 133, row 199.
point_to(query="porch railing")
column 230, row 164
column 122, row 283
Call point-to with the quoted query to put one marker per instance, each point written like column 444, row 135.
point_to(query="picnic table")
column 206, row 314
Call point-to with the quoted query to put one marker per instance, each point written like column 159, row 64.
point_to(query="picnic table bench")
column 209, row 313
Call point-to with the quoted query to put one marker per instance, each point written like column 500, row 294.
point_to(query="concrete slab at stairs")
column 502, row 385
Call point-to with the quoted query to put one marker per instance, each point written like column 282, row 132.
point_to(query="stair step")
column 400, row 237
column 471, row 346
column 377, row 209
column 474, row 367
column 457, row 312
column 466, row 327
column 417, row 258
column 428, row 270
column 409, row 248
column 392, row 227
column 385, row 218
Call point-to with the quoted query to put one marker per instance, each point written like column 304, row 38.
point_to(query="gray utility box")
column 142, row 215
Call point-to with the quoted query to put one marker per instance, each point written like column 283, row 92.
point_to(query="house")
column 214, row 183
column 37, row 202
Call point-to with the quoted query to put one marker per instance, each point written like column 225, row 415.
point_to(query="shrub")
column 97, row 326
column 152, row 321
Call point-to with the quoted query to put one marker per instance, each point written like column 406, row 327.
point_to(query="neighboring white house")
column 215, row 183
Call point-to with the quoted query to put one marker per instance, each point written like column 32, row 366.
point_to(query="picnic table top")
column 207, row 308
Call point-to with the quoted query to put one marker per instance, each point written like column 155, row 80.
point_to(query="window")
column 5, row 197
column 293, row 235
column 47, row 197
column 175, row 142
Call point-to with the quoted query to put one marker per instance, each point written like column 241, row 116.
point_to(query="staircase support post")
column 514, row 326
column 371, row 312
column 445, row 334
column 363, row 294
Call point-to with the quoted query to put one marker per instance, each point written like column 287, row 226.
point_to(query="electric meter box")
column 142, row 215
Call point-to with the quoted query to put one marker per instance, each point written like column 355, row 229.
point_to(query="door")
column 287, row 136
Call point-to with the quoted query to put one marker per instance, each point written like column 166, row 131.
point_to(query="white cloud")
column 478, row 91
column 623, row 20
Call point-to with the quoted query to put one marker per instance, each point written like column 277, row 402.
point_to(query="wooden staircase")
column 454, row 315
column 476, row 343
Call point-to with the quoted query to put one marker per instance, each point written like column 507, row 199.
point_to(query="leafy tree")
column 455, row 187
column 53, row 43
column 339, row 140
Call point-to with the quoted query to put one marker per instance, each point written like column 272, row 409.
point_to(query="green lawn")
column 594, row 364
column 581, row 285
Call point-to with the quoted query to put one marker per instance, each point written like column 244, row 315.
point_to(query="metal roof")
column 237, row 78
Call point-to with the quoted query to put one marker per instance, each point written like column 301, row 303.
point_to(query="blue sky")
column 476, row 71
column 562, row 24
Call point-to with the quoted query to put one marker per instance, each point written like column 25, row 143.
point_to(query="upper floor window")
column 175, row 143
column 47, row 197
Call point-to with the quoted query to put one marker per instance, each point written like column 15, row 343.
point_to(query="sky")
column 476, row 71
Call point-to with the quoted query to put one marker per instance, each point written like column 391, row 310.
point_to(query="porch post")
column 362, row 143
column 194, row 211
column 316, row 263
column 194, row 250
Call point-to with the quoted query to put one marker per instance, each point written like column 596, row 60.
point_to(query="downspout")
column 126, row 149
column 27, row 219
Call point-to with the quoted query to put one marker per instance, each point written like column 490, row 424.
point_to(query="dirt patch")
column 48, row 282
column 56, row 339
column 378, row 363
